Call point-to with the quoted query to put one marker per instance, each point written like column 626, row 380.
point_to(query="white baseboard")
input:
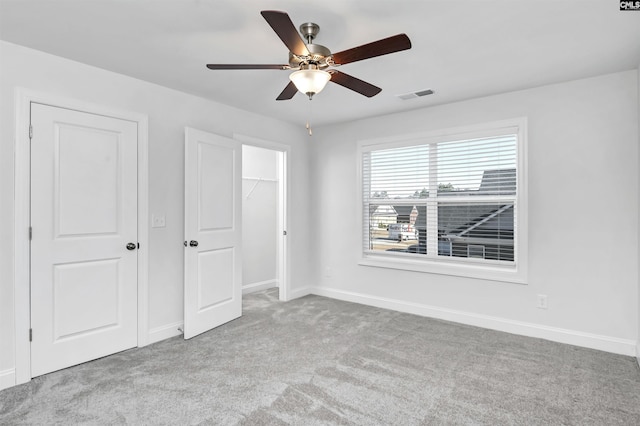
column 571, row 337
column 7, row 378
column 301, row 292
column 164, row 332
column 259, row 286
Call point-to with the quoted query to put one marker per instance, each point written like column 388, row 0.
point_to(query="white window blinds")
column 453, row 200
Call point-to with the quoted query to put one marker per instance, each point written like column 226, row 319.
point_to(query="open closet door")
column 213, row 218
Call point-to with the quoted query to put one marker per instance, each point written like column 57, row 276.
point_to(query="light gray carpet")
column 318, row 361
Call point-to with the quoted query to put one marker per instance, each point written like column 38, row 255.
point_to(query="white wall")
column 638, row 259
column 259, row 217
column 169, row 112
column 583, row 216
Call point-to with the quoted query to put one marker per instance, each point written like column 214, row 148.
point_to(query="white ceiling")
column 462, row 49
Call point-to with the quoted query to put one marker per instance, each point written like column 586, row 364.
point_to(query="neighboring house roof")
column 475, row 222
column 484, row 224
column 384, row 210
column 498, row 182
column 404, row 212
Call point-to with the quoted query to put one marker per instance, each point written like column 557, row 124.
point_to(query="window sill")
column 508, row 274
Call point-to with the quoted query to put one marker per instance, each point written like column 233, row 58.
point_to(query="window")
column 450, row 203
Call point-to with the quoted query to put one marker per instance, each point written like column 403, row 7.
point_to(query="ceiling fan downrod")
column 309, row 31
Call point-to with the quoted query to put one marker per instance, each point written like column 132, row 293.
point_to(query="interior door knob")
column 193, row 243
column 131, row 246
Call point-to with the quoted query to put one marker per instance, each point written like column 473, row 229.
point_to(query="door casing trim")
column 22, row 201
column 283, row 208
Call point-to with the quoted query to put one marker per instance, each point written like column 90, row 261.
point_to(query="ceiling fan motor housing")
column 318, row 55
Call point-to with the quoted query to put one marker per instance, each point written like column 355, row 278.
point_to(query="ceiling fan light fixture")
column 310, row 80
column 312, row 59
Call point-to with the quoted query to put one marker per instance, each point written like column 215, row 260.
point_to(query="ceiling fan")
column 311, row 60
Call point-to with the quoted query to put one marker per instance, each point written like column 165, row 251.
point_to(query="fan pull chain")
column 308, row 126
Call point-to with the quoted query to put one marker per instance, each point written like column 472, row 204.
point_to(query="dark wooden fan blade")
column 355, row 84
column 282, row 25
column 247, row 67
column 288, row 92
column 385, row 46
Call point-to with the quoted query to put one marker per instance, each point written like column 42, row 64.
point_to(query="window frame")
column 513, row 272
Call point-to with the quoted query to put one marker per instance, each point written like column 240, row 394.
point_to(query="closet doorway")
column 263, row 217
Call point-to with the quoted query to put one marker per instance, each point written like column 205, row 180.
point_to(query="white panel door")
column 83, row 216
column 213, row 218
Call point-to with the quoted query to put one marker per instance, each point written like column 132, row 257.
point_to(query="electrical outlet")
column 542, row 301
column 158, row 221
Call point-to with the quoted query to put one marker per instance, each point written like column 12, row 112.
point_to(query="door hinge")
column 31, row 334
column 30, row 131
column 30, row 233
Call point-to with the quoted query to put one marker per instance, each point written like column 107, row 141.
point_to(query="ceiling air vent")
column 414, row 95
